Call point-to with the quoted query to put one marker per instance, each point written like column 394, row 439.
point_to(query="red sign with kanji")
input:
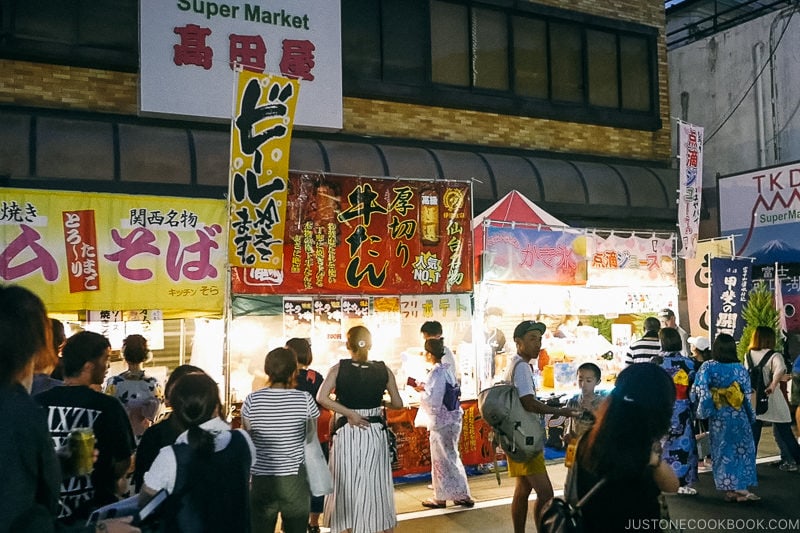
column 356, row 235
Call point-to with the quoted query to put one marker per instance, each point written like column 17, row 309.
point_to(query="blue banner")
column 731, row 280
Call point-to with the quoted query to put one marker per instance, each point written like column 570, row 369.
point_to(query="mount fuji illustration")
column 776, row 251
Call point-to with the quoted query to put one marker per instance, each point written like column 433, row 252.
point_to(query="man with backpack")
column 531, row 474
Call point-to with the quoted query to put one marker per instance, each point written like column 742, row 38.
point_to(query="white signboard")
column 188, row 49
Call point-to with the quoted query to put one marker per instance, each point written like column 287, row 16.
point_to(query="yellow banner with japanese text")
column 261, row 134
column 92, row 251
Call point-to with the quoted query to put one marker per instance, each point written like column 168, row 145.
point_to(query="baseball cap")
column 666, row 313
column 701, row 343
column 528, row 325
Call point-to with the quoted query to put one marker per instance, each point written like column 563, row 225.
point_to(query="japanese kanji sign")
column 690, row 174
column 188, row 48
column 82, row 251
column 261, row 134
column 352, row 235
column 731, row 281
column 520, row 254
column 698, row 282
column 618, row 261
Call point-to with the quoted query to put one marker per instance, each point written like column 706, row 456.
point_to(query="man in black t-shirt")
column 76, row 405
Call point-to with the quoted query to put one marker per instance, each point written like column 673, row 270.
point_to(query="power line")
column 760, row 72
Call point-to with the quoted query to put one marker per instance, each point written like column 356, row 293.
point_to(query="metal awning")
column 54, row 149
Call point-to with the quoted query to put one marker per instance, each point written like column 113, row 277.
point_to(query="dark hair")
column 432, row 328
column 635, row 415
column 763, row 337
column 134, row 349
column 593, row 367
column 194, row 399
column 359, row 342
column 670, row 340
column 280, row 366
column 301, row 349
column 652, row 324
column 724, row 349
column 46, row 360
column 24, row 330
column 82, row 348
column 178, row 373
column 435, row 347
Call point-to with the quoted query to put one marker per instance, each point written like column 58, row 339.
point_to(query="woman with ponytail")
column 363, row 491
column 207, row 470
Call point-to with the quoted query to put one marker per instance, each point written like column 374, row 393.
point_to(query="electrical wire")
column 760, row 72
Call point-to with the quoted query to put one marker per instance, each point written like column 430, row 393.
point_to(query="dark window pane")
column 636, row 82
column 361, row 40
column 449, row 44
column 405, row 41
column 109, row 24
column 490, row 49
column 46, row 20
column 566, row 69
column 601, row 53
column 530, row 57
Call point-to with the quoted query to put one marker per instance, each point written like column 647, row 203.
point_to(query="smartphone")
column 150, row 508
column 411, row 382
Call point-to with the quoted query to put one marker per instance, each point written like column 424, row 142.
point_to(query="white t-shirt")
column 522, row 378
column 164, row 469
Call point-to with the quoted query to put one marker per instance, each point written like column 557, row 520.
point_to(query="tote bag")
column 319, row 477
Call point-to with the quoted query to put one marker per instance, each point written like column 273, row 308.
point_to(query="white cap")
column 701, row 343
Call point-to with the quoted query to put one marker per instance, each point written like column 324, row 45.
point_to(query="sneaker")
column 690, row 491
column 788, row 467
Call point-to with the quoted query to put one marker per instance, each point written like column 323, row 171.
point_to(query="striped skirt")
column 363, row 491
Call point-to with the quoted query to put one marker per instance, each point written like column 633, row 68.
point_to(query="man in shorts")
column 531, row 475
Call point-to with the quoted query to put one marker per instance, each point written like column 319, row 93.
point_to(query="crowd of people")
column 630, row 446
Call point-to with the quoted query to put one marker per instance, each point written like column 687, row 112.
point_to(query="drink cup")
column 81, row 447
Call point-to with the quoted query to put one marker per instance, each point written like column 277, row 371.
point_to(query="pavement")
column 779, row 509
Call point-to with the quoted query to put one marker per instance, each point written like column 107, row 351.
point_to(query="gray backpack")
column 518, row 432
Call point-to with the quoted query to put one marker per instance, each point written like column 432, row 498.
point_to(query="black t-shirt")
column 73, row 407
column 153, row 439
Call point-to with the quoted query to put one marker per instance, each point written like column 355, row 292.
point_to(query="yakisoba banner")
column 375, row 236
column 261, row 133
column 86, row 251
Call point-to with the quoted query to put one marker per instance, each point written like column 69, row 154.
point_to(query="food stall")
column 591, row 287
column 120, row 264
column 385, row 253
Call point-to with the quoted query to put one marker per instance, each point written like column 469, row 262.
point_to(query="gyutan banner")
column 357, row 235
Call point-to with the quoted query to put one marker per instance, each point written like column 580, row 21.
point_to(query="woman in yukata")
column 722, row 393
column 680, row 444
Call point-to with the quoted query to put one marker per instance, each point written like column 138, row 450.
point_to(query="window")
column 529, row 61
column 449, row 44
column 601, row 48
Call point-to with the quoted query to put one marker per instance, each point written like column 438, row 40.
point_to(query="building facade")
column 565, row 101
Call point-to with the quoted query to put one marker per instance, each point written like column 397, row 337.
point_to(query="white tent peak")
column 516, row 207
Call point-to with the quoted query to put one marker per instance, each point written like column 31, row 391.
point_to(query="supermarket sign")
column 188, row 52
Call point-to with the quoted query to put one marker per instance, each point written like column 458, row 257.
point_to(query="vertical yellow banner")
column 261, row 135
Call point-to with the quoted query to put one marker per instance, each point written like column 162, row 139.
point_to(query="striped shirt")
column 643, row 350
column 277, row 421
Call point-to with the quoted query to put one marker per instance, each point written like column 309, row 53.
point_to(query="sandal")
column 313, row 529
column 741, row 497
column 430, row 503
column 465, row 503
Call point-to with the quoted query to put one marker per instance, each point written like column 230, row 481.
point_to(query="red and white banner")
column 690, row 152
